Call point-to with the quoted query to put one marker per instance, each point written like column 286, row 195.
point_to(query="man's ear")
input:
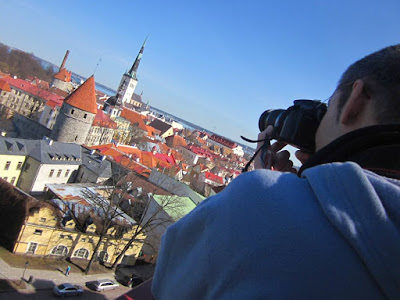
column 355, row 104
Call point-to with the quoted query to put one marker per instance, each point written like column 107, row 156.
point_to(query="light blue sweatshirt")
column 332, row 234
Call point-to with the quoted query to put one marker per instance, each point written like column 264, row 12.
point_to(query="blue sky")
column 217, row 63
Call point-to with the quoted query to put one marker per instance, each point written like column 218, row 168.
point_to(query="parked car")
column 130, row 281
column 101, row 285
column 67, row 289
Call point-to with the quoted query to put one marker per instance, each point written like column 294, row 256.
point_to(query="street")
column 48, row 294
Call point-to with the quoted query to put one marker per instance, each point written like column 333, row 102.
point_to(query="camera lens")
column 269, row 117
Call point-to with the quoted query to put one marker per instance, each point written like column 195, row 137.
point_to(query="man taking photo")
column 332, row 231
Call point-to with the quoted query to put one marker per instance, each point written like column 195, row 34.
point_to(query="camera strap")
column 264, row 149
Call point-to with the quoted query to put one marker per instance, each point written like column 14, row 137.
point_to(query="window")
column 60, row 250
column 13, row 180
column 5, row 178
column 59, row 173
column 42, row 219
column 72, row 111
column 19, row 166
column 31, row 248
column 82, row 253
column 83, row 240
column 27, row 166
column 84, row 116
column 66, row 173
column 7, row 166
column 51, row 173
column 38, row 232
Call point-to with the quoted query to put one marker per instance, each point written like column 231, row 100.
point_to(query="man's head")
column 368, row 93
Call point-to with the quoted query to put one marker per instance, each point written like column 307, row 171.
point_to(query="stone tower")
column 129, row 80
column 76, row 115
column 62, row 80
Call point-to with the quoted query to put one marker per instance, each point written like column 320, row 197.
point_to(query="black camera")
column 296, row 125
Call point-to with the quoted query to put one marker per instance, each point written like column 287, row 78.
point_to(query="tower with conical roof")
column 129, row 80
column 62, row 79
column 76, row 115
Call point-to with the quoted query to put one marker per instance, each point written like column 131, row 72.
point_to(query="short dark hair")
column 380, row 72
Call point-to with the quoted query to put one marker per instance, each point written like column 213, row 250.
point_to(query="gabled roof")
column 134, row 118
column 182, row 206
column 214, row 177
column 136, row 97
column 95, row 163
column 175, row 141
column 160, row 125
column 84, row 97
column 4, row 86
column 167, row 158
column 43, row 151
column 63, row 75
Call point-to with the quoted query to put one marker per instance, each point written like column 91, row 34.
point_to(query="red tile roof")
column 200, row 151
column 27, row 87
column 58, row 92
column 223, row 141
column 103, row 120
column 175, row 141
column 55, row 103
column 213, row 177
column 167, row 158
column 40, row 83
column 134, row 118
column 84, row 97
column 4, row 86
column 63, row 75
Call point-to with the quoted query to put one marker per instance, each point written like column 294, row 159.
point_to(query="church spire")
column 132, row 72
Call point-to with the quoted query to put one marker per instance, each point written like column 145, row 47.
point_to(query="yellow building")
column 50, row 231
column 12, row 158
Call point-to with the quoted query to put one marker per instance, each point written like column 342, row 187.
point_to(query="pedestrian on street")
column 67, row 271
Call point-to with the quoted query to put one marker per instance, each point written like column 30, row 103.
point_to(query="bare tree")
column 154, row 209
column 108, row 210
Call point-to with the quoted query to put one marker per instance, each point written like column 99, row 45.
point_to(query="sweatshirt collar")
column 376, row 148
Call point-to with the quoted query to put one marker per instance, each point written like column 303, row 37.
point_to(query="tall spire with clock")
column 129, row 80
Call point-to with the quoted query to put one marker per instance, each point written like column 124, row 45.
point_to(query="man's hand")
column 279, row 159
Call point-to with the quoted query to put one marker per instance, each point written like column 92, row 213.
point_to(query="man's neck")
column 376, row 148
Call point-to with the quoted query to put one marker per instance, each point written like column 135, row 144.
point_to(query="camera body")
column 296, row 125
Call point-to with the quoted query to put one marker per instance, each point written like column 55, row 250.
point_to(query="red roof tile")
column 103, row 120
column 213, row 177
column 4, row 86
column 27, row 87
column 134, row 118
column 84, row 97
column 175, row 141
column 63, row 75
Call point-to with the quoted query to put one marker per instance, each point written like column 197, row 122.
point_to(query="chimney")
column 64, row 60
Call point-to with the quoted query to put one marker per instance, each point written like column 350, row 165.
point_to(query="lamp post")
column 26, row 265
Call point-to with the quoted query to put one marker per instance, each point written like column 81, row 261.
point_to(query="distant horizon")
column 248, row 148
